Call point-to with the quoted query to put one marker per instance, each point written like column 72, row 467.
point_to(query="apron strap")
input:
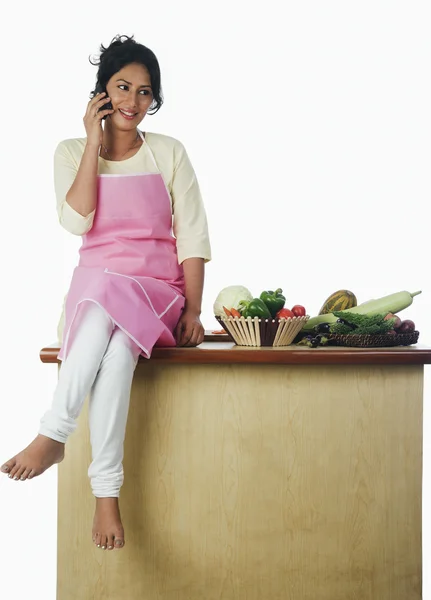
column 144, row 141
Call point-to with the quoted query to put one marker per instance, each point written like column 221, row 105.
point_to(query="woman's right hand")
column 93, row 119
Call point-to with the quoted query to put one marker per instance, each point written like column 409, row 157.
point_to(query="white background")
column 308, row 125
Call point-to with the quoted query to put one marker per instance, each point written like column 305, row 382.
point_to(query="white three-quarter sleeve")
column 65, row 170
column 190, row 225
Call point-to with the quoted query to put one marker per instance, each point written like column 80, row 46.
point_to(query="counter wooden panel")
column 219, row 350
column 287, row 479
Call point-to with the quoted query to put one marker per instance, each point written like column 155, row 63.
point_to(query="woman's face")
column 131, row 95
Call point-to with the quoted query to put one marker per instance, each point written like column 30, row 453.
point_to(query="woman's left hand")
column 189, row 332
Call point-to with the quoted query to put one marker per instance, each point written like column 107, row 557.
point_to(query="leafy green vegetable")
column 358, row 324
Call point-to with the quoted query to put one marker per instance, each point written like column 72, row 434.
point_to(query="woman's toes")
column 103, row 542
column 13, row 471
column 19, row 473
column 32, row 474
column 6, row 468
column 25, row 474
column 96, row 538
column 111, row 542
column 119, row 543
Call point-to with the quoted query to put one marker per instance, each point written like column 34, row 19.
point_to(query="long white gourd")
column 394, row 303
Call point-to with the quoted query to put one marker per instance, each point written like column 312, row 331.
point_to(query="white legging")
column 101, row 362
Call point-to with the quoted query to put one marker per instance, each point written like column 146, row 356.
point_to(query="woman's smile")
column 128, row 115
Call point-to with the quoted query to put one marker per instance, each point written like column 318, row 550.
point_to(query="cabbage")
column 230, row 297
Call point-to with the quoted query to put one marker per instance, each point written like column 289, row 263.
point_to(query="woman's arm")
column 72, row 168
column 194, row 274
column 82, row 196
column 76, row 188
column 190, row 331
column 193, row 246
column 190, row 224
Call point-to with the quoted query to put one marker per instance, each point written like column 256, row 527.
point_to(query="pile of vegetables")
column 393, row 303
column 349, row 323
column 238, row 301
column 340, row 313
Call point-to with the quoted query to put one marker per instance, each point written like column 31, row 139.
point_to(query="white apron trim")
column 168, row 307
column 159, row 316
column 126, row 174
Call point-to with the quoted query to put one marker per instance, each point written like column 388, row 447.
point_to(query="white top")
column 190, row 225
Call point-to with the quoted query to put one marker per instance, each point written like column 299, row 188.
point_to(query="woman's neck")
column 118, row 141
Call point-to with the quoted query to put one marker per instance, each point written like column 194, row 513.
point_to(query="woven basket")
column 262, row 332
column 373, row 341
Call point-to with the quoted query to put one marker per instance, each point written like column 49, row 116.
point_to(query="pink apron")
column 128, row 262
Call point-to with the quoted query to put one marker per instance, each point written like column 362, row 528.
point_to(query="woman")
column 135, row 200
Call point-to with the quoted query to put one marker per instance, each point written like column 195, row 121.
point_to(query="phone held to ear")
column 108, row 106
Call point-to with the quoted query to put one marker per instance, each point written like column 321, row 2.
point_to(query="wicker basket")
column 373, row 341
column 262, row 332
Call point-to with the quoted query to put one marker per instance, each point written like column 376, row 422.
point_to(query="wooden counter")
column 257, row 474
column 217, row 349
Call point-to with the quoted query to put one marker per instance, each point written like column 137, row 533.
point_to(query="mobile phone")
column 108, row 106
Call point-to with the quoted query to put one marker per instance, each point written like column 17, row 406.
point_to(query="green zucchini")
column 393, row 303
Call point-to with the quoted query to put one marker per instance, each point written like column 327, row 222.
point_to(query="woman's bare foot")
column 108, row 529
column 42, row 453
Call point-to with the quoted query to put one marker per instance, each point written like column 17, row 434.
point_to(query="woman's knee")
column 93, row 318
column 122, row 350
column 95, row 313
column 91, row 329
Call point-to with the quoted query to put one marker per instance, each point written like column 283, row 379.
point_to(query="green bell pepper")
column 254, row 308
column 275, row 301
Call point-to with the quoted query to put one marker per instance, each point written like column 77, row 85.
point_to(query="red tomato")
column 299, row 311
column 284, row 313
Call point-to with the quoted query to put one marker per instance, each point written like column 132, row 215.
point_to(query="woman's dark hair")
column 124, row 50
